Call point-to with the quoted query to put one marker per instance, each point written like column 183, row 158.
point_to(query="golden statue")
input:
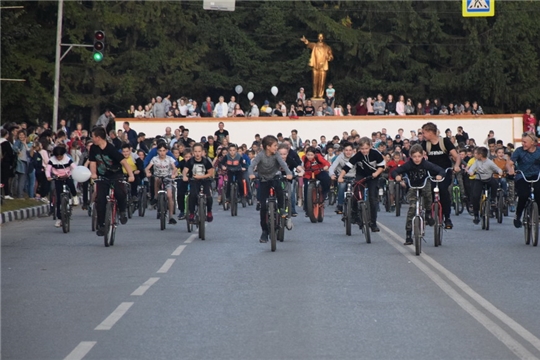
column 321, row 54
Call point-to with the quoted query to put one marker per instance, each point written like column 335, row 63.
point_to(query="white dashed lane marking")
column 112, row 319
column 178, row 250
column 142, row 289
column 166, row 266
column 81, row 350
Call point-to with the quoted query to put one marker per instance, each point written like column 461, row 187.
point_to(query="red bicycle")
column 437, row 213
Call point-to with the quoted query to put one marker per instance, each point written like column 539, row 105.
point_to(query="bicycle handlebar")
column 417, row 187
column 529, row 181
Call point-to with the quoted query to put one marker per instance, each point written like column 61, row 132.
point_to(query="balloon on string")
column 274, row 90
column 238, row 89
column 250, row 95
column 80, row 174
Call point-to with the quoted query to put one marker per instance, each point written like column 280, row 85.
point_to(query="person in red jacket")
column 529, row 122
column 316, row 167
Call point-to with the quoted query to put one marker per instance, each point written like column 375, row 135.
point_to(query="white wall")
column 506, row 127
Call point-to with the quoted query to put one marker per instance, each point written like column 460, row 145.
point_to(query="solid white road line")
column 507, row 320
column 81, row 350
column 142, row 289
column 178, row 250
column 190, row 239
column 503, row 336
column 166, row 266
column 109, row 322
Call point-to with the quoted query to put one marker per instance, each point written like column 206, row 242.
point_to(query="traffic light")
column 99, row 45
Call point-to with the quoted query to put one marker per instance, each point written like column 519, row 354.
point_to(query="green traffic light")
column 98, row 56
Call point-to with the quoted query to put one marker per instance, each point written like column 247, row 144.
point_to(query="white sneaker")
column 75, row 201
column 58, row 223
column 7, row 197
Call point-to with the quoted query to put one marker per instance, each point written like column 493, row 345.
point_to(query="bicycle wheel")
column 90, row 196
column 534, row 224
column 438, row 228
column 224, row 196
column 347, row 212
column 486, row 212
column 272, row 224
column 320, row 205
column 527, row 222
column 281, row 228
column 365, row 222
column 500, row 209
column 130, row 205
column 397, row 198
column 311, row 202
column 386, row 200
column 143, row 201
column 64, row 211
column 109, row 224
column 162, row 208
column 202, row 217
column 175, row 205
column 94, row 216
column 233, row 199
column 331, row 196
column 53, row 201
column 417, row 233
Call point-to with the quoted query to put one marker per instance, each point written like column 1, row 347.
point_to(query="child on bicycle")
column 268, row 163
column 235, row 165
column 417, row 169
column 199, row 171
column 220, row 172
column 391, row 165
column 336, row 168
column 315, row 167
column 501, row 160
column 136, row 166
column 164, row 171
column 369, row 163
column 60, row 166
column 283, row 151
column 182, row 186
column 483, row 170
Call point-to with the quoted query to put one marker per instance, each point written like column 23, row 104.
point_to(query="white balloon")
column 250, row 95
column 81, row 174
column 274, row 90
column 238, row 89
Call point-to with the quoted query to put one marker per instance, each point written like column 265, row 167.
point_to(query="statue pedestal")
column 316, row 103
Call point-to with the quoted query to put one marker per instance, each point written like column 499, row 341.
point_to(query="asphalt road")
column 321, row 295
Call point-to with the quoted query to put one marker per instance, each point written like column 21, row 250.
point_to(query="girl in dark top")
column 309, row 110
column 300, row 108
column 427, row 107
column 390, row 106
column 361, row 108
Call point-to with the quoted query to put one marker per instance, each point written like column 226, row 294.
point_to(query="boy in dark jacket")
column 418, row 169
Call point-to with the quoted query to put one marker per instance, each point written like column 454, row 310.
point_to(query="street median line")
column 503, row 336
column 81, row 350
column 166, row 266
column 144, row 287
column 116, row 315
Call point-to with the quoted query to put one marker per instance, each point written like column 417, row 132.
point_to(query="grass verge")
column 17, row 204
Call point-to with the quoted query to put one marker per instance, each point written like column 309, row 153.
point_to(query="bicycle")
column 130, row 207
column 456, row 197
column 112, row 215
column 200, row 213
column 530, row 214
column 65, row 206
column 436, row 212
column 273, row 218
column 233, row 196
column 502, row 206
column 418, row 220
column 485, row 206
column 142, row 198
column 315, row 200
column 333, row 193
column 347, row 205
column 162, row 203
column 364, row 213
column 397, row 197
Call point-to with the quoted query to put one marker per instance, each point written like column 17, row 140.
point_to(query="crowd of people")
column 185, row 107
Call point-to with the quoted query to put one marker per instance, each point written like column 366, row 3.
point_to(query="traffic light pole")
column 57, row 63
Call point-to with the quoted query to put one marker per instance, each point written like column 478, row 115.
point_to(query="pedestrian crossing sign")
column 478, row 8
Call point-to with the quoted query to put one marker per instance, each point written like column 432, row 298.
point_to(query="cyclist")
column 107, row 162
column 200, row 170
column 336, row 168
column 283, row 151
column 164, row 170
column 295, row 163
column 527, row 159
column 235, row 165
column 439, row 150
column 417, row 169
column 151, row 154
column 501, row 160
column 368, row 162
column 137, row 166
column 268, row 163
column 391, row 165
column 315, row 166
column 60, row 166
column 483, row 170
column 182, row 185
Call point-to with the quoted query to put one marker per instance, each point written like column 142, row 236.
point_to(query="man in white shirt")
column 221, row 109
column 254, row 112
column 231, row 106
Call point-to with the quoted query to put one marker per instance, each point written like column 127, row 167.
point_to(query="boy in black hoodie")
column 417, row 169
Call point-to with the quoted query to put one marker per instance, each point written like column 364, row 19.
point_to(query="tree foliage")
column 422, row 49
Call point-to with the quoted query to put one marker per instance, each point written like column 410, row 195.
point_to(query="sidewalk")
column 25, row 213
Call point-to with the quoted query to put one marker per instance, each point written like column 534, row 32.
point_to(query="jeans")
column 181, row 191
column 102, row 189
column 523, row 190
column 20, row 185
column 342, row 187
column 31, row 184
column 477, row 187
column 294, row 188
column 504, row 186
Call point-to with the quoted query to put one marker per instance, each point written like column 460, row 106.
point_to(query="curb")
column 25, row 213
